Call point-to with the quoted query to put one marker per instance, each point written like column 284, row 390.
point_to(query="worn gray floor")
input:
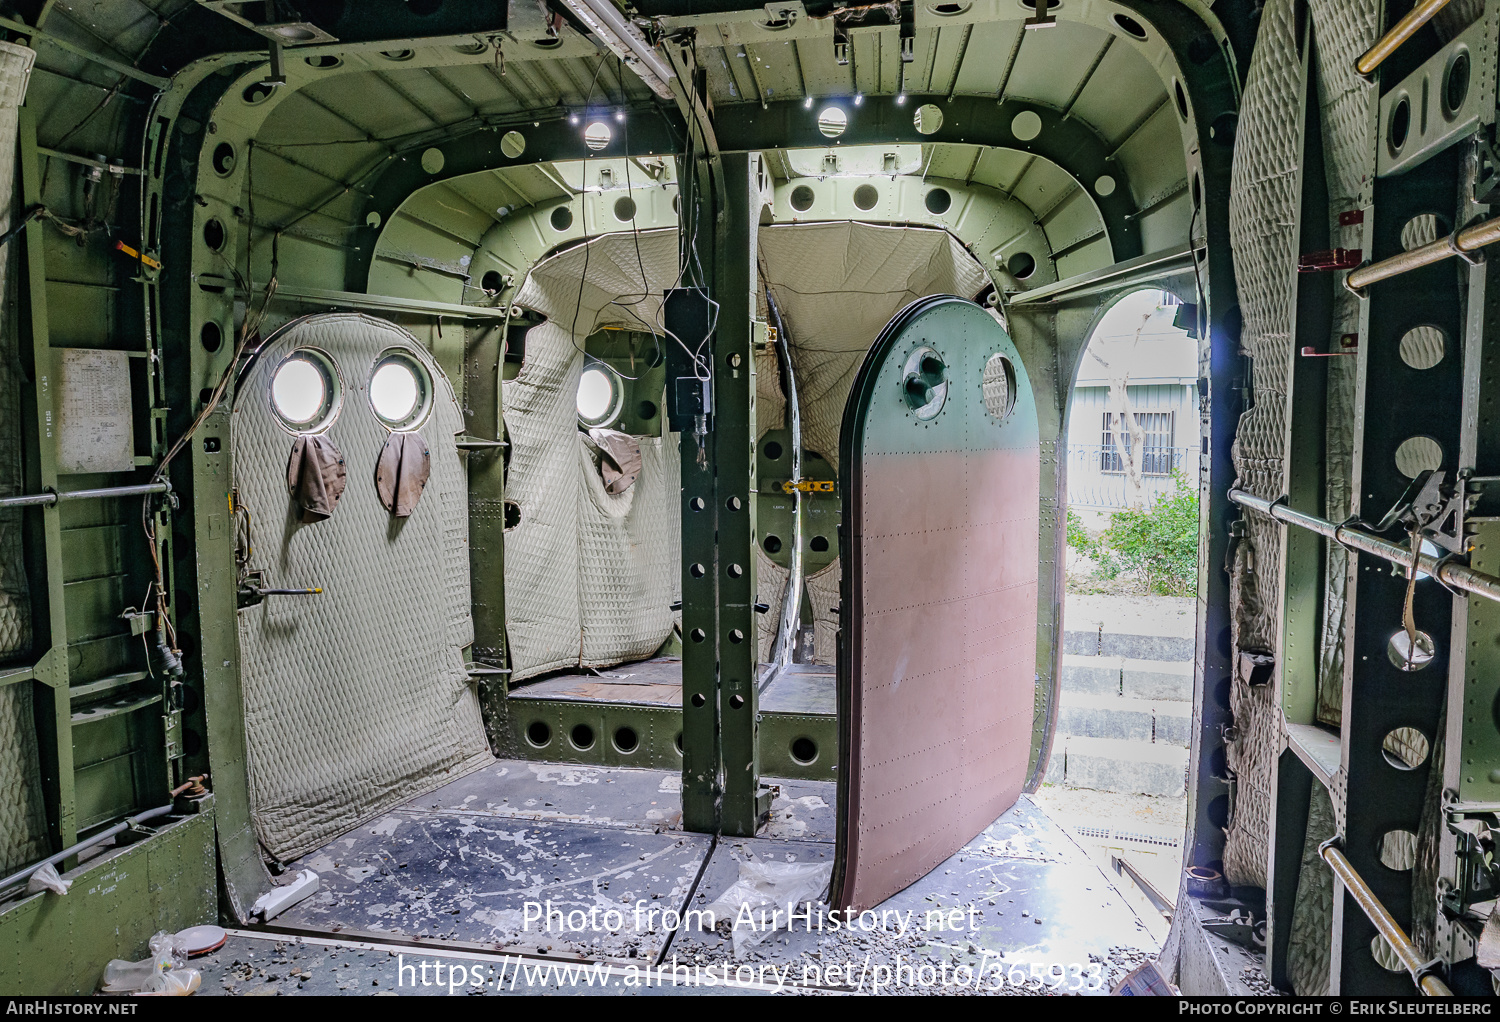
column 1019, row 906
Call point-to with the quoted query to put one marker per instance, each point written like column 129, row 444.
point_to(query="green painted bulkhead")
column 418, row 169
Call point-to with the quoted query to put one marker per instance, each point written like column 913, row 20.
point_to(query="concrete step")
column 1112, row 764
column 1134, row 720
column 1128, row 644
column 1162, row 680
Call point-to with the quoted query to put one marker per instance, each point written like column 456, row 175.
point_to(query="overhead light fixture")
column 900, row 99
column 859, row 97
column 572, row 118
column 807, row 103
column 620, row 116
column 604, row 20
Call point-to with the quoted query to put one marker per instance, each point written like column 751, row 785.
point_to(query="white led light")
column 620, row 116
column 859, row 98
column 572, row 118
column 901, row 99
column 807, row 103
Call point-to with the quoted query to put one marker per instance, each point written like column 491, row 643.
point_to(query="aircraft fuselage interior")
column 583, row 485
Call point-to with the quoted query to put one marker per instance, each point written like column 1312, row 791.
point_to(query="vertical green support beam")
column 734, row 489
column 700, row 700
column 52, row 710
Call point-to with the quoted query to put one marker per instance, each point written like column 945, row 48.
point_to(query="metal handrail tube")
column 1461, row 242
column 1403, row 30
column 1458, row 576
column 1384, row 922
column 48, row 499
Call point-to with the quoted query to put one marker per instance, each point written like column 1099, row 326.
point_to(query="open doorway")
column 1118, row 772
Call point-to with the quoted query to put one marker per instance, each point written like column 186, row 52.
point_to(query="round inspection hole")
column 938, row 201
column 677, row 743
column 223, row 159
column 325, row 62
column 1385, row 956
column 561, row 218
column 698, row 635
column 372, row 219
column 512, row 144
column 1456, row 85
column 626, row 740
column 1130, row 26
column 547, row 42
column 819, row 544
column 624, row 209
column 698, row 699
column 734, row 503
column 582, row 737
column 772, row 544
column 735, row 571
column 736, row 636
column 804, row 750
column 213, row 234
column 1405, row 748
column 802, row 198
column 1026, row 125
column 257, row 93
column 999, row 386
column 646, row 410
column 735, row 360
column 1410, row 656
column 1417, row 454
column 398, row 55
column 433, row 161
column 949, row 10
column 539, row 734
column 492, row 282
column 1021, row 265
column 1399, row 124
column 697, row 504
column 512, row 515
column 772, row 450
column 1423, row 347
column 1398, row 849
column 866, row 196
column 735, row 702
column 597, row 135
column 832, row 121
column 205, row 395
column 928, row 119
column 211, row 337
column 1422, row 229
column 1181, row 96
column 697, row 570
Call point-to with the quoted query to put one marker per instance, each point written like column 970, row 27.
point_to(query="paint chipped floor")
column 522, row 865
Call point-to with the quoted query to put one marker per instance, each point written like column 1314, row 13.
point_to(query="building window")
column 1158, row 457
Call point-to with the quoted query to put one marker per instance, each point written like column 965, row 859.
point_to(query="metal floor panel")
column 462, row 876
column 1036, row 895
column 803, row 811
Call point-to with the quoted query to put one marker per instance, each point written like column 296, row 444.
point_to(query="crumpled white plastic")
column 162, row 974
column 744, row 912
column 47, row 879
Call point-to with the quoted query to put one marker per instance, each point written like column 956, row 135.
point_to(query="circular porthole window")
column 305, row 391
column 599, row 395
column 400, row 391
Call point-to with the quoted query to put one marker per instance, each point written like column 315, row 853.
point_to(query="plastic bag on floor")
column 161, row 974
column 766, row 893
column 47, row 879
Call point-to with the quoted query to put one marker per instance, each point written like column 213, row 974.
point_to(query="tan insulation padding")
column 1310, row 943
column 589, row 576
column 823, row 594
column 837, row 284
column 1344, row 29
column 23, row 821
column 1263, row 203
column 770, row 581
column 356, row 699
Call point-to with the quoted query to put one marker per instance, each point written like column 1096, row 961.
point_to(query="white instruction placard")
column 95, row 430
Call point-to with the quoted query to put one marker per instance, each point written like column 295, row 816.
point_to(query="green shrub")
column 1078, row 538
column 1160, row 542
